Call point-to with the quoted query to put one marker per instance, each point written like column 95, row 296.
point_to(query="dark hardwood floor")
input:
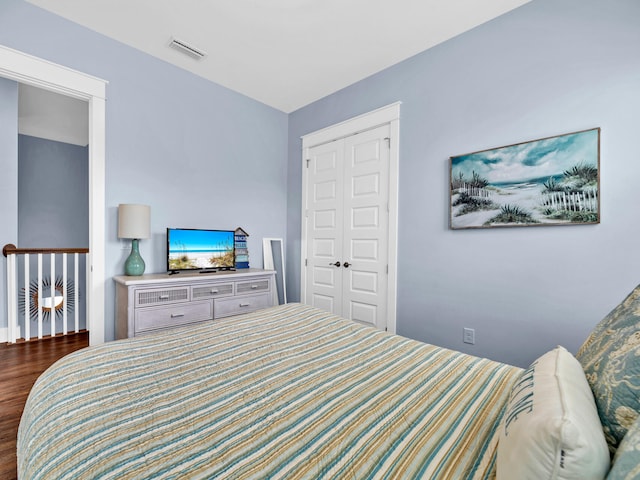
column 20, row 365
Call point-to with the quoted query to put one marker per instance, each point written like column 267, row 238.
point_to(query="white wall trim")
column 388, row 115
column 31, row 70
column 4, row 335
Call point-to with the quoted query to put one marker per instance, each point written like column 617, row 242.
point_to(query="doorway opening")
column 33, row 71
column 53, row 213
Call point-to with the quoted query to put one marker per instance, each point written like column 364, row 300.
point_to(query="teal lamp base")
column 134, row 266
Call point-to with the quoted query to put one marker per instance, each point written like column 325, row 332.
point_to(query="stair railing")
column 62, row 297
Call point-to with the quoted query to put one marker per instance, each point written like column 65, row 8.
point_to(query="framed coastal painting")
column 550, row 181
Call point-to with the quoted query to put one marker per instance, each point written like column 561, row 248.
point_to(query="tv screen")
column 192, row 249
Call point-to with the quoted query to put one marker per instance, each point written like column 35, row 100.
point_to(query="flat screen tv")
column 196, row 249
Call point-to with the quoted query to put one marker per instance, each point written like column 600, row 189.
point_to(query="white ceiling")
column 284, row 53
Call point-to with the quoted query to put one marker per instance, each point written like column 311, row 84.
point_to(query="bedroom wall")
column 550, row 67
column 199, row 154
column 53, row 194
column 9, row 183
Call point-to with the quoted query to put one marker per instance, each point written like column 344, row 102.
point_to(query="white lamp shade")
column 134, row 221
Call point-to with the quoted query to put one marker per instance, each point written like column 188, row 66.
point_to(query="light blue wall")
column 53, row 194
column 9, row 183
column 200, row 155
column 547, row 68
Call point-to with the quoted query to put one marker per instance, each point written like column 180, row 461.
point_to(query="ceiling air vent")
column 190, row 50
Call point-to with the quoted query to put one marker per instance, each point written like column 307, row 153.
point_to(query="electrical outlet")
column 469, row 335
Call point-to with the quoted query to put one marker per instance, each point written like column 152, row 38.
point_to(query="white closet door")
column 325, row 223
column 366, row 225
column 348, row 227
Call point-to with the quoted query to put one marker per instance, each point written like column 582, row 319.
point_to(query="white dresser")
column 151, row 303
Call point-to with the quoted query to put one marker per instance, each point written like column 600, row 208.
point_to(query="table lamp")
column 134, row 222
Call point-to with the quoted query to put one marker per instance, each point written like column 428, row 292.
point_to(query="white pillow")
column 551, row 428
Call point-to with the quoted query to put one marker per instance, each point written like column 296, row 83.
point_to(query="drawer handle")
column 163, row 297
column 213, row 291
column 245, row 304
column 177, row 315
column 254, row 286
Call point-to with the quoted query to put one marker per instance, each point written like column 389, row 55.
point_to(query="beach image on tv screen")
column 200, row 249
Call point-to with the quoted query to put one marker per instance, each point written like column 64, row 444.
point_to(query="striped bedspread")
column 286, row 392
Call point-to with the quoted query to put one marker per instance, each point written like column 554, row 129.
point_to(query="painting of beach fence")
column 550, row 181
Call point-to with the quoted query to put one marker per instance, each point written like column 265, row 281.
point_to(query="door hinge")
column 306, row 262
column 387, row 269
column 308, row 160
column 388, row 140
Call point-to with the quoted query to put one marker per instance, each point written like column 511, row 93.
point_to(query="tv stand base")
column 215, row 270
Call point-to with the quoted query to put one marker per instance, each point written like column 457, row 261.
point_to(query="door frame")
column 25, row 68
column 388, row 115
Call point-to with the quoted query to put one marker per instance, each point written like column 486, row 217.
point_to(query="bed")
column 286, row 392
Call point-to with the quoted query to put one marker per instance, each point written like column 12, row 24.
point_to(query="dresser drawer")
column 161, row 296
column 252, row 287
column 150, row 319
column 211, row 290
column 224, row 307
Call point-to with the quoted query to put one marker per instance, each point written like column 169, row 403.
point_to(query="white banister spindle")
column 13, row 330
column 75, row 292
column 52, row 295
column 64, row 294
column 27, row 299
column 39, row 299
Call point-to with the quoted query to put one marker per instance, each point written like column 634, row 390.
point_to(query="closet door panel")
column 366, row 200
column 325, row 222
